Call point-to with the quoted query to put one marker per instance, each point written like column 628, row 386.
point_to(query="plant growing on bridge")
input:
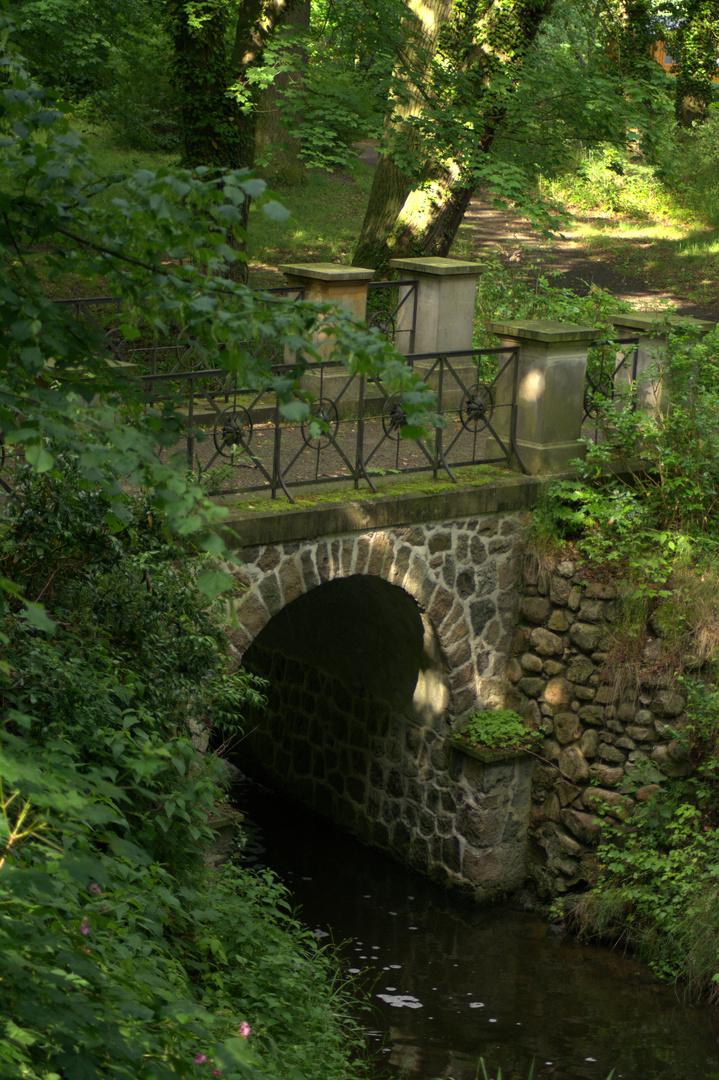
column 499, row 729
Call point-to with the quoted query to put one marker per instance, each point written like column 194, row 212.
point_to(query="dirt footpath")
column 578, row 265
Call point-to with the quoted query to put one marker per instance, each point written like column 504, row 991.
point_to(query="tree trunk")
column 272, row 137
column 480, row 39
column 391, row 185
column 214, row 131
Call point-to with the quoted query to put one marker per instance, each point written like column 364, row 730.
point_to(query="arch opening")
column 370, row 636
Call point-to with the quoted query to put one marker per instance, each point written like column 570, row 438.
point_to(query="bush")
column 692, row 173
column 658, row 886
column 120, row 957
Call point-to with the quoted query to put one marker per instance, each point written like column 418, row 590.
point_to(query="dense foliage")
column 120, row 957
column 646, row 508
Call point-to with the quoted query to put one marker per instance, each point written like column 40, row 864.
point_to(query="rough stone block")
column 589, row 743
column 585, row 636
column 532, row 687
column 441, row 605
column 668, row 703
column 441, row 541
column 575, row 598
column 531, row 663
column 580, row 670
column 584, row 826
column 567, row 728
column 593, row 715
column 601, row 800
column 545, row 642
column 480, row 613
column 573, row 764
column 606, row 775
column 558, row 622
column 598, row 591
column 558, row 692
column 559, row 589
column 535, row 609
column 611, row 754
column 477, row 551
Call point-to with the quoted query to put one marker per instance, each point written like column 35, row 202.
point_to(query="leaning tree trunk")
column 482, row 39
column 423, row 25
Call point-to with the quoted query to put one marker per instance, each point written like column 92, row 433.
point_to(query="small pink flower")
column 95, row 888
column 217, row 1072
column 245, row 1029
column 200, row 1059
column 85, row 927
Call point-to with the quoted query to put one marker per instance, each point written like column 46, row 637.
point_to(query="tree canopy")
column 161, row 239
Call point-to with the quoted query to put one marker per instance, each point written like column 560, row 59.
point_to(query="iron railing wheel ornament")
column 385, row 323
column 394, row 418
column 325, row 411
column 232, row 431
column 477, row 407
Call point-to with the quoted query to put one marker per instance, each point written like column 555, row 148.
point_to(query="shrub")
column 119, row 956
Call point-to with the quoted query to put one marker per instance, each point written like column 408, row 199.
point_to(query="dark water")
column 451, row 982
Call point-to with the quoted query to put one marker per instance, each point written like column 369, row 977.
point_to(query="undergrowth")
column 644, row 512
column 120, row 955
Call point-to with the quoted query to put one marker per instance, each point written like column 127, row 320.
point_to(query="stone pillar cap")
column 547, row 331
column 650, row 320
column 438, row 267
column 328, row 271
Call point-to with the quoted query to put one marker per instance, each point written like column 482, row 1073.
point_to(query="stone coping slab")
column 547, row 331
column 486, row 754
column 438, row 267
column 328, row 271
column 657, row 320
column 254, row 528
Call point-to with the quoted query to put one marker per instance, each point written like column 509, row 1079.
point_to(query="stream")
column 450, row 981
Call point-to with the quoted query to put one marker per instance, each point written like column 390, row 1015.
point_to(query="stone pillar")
column 651, row 327
column 445, row 303
column 341, row 286
column 329, row 283
column 550, row 390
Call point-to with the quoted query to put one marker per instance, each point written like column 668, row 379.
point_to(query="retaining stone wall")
column 593, row 736
column 391, row 781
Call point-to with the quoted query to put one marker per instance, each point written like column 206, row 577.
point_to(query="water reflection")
column 451, row 982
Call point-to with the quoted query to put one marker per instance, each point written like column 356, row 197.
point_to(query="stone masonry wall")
column 463, row 574
column 593, row 737
column 391, row 781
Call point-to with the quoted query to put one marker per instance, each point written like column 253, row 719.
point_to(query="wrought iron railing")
column 237, row 441
column 612, row 378
column 392, row 306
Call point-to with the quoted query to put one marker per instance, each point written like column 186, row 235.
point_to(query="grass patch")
column 326, row 216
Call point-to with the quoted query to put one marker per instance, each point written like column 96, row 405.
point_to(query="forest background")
column 121, row 957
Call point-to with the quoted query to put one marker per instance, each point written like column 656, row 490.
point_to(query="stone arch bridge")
column 379, row 625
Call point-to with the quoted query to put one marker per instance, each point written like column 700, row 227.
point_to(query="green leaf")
column 211, row 542
column 214, row 582
column 38, row 617
column 40, row 458
column 295, row 410
column 254, row 188
column 275, row 211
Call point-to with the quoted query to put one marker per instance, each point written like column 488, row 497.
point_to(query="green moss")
column 469, row 476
